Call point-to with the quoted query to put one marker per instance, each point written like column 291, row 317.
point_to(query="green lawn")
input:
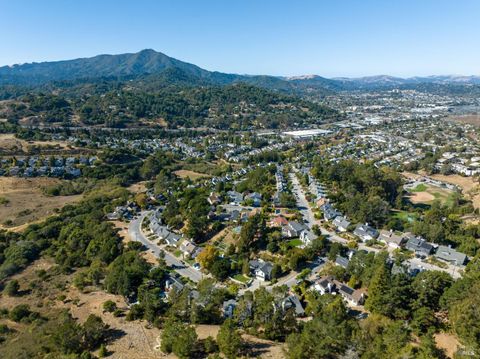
column 177, row 253
column 405, row 216
column 241, row 278
column 295, row 242
column 420, row 188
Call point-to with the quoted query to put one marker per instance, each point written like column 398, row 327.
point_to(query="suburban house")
column 352, row 296
column 407, row 268
column 292, row 302
column 320, row 202
column 450, row 255
column 341, row 223
column 391, row 239
column 307, row 237
column 293, row 229
column 214, row 199
column 173, row 284
column 329, row 285
column 329, row 213
column 365, row 232
column 262, row 270
column 418, row 245
column 342, row 261
column 325, row 285
column 188, row 249
column 228, row 308
column 278, row 221
column 255, row 197
column 172, row 239
column 235, row 198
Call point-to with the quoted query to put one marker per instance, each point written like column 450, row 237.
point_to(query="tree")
column 378, row 289
column 179, row 339
column 428, row 288
column 109, row 306
column 68, row 335
column 220, row 268
column 325, row 336
column 207, row 257
column 465, row 317
column 423, row 320
column 126, row 273
column 12, row 288
column 95, row 332
column 229, row 340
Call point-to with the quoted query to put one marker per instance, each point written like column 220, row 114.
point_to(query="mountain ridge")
column 150, row 62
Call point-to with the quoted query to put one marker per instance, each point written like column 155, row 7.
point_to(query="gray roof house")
column 418, row 245
column 365, row 232
column 307, row 237
column 450, row 255
column 391, row 239
column 261, row 269
column 329, row 212
column 228, row 308
column 293, row 229
column 325, row 285
column 292, row 302
column 235, row 197
column 172, row 239
column 407, row 268
column 342, row 261
column 341, row 223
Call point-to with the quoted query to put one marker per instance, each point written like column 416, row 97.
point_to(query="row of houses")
column 281, row 185
column 408, row 240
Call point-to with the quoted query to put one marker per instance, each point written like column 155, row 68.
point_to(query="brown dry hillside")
column 25, row 202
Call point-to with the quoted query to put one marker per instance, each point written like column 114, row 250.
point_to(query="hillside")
column 237, row 106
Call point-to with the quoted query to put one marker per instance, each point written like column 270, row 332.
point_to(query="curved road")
column 136, row 234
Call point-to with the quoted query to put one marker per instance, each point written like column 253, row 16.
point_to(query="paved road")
column 135, row 232
column 307, row 213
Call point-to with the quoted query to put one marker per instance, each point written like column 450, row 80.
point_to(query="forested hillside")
column 235, row 106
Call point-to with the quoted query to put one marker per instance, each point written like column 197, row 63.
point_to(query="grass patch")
column 177, row 253
column 405, row 216
column 419, row 188
column 241, row 278
column 295, row 242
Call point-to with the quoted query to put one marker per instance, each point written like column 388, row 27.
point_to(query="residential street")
column 310, row 220
column 135, row 232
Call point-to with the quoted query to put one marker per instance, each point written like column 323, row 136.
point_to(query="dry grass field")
column 9, row 142
column 447, row 342
column 468, row 119
column 190, row 174
column 470, row 187
column 26, row 202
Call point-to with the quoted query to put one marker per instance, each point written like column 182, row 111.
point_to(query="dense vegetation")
column 361, row 191
column 234, row 106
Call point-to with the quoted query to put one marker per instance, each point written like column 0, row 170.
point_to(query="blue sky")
column 276, row 37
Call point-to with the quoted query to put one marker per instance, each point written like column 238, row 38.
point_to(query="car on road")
column 196, row 266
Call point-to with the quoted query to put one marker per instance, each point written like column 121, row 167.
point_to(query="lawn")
column 419, row 188
column 295, row 243
column 405, row 216
column 241, row 278
column 426, row 194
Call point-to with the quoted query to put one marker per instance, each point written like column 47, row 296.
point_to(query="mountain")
column 144, row 62
column 154, row 68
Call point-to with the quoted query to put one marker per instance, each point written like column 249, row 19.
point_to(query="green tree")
column 12, row 288
column 229, row 340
